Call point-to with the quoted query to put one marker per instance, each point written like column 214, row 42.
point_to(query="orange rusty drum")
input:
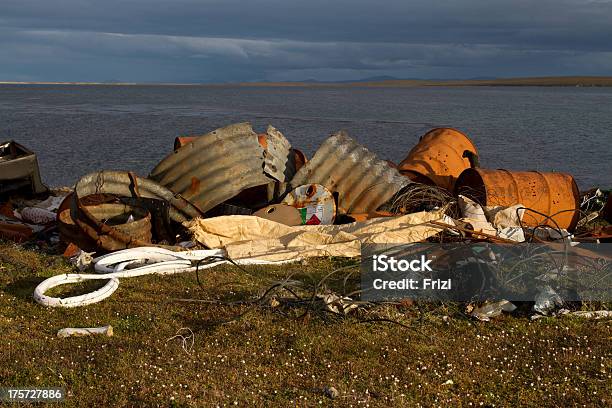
column 439, row 158
column 553, row 194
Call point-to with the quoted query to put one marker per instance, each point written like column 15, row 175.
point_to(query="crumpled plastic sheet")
column 258, row 238
column 500, row 221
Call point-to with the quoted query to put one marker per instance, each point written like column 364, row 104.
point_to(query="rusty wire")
column 422, row 197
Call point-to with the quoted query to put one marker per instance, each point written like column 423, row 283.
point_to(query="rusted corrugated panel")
column 91, row 220
column 363, row 182
column 125, row 184
column 217, row 166
column 278, row 156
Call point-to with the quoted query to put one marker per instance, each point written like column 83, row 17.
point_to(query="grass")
column 276, row 357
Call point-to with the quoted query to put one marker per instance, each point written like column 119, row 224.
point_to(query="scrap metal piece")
column 363, row 182
column 281, row 213
column 278, row 156
column 111, row 214
column 313, row 200
column 91, row 221
column 19, row 169
column 215, row 167
column 15, row 231
column 126, row 184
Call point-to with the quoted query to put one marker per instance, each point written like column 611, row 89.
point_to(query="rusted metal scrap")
column 115, row 215
column 127, row 184
column 98, row 224
column 216, row 167
column 19, row 169
column 363, row 182
column 550, row 198
column 278, row 156
column 315, row 203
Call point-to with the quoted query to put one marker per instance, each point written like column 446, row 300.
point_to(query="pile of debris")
column 257, row 199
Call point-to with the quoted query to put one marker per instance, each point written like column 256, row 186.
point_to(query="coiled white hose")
column 115, row 265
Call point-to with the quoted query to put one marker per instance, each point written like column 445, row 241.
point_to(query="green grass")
column 281, row 356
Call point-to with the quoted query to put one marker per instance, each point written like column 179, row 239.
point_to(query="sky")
column 201, row 41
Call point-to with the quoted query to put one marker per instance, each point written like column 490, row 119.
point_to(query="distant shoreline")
column 573, row 81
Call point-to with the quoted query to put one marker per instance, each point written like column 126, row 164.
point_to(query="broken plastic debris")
column 596, row 314
column 547, row 300
column 85, row 331
column 485, row 312
column 52, row 203
column 37, row 215
column 337, row 304
column 504, row 217
column 82, row 260
column 512, row 233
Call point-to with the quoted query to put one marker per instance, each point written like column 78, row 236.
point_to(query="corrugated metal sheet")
column 127, row 184
column 278, row 156
column 217, row 166
column 363, row 182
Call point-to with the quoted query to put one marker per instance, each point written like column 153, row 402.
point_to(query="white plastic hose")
column 116, row 265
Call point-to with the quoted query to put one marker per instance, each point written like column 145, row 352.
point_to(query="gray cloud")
column 229, row 40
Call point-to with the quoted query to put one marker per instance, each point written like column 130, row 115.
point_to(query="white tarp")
column 245, row 236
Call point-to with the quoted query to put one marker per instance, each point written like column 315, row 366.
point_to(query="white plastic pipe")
column 116, row 265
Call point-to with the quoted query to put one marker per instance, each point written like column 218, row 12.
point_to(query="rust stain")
column 263, row 141
column 299, row 158
column 195, row 185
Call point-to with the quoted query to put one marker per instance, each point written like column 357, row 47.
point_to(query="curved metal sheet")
column 127, row 184
column 363, row 182
column 139, row 229
column 217, row 166
column 278, row 156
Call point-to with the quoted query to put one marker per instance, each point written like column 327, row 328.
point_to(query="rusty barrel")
column 111, row 214
column 553, row 194
column 439, row 158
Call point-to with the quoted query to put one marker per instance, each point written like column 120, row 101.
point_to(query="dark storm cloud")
column 225, row 40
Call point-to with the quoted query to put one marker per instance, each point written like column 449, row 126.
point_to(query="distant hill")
column 391, row 82
column 378, row 81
